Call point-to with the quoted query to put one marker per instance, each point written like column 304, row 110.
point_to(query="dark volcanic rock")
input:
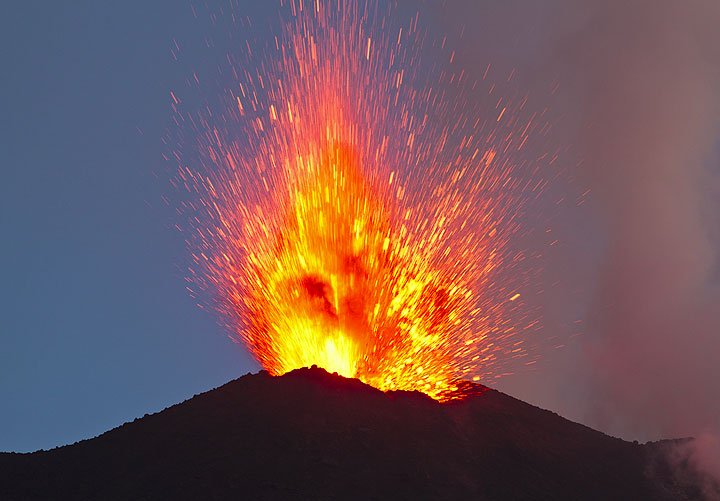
column 312, row 435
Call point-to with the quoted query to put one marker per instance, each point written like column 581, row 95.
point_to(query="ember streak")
column 349, row 215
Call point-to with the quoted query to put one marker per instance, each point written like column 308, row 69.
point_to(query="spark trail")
column 348, row 214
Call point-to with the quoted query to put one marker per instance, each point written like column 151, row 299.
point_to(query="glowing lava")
column 341, row 289
column 351, row 218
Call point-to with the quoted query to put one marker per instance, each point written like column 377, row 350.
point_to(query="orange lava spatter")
column 349, row 217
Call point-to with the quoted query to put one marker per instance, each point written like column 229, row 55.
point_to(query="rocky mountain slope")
column 313, row 435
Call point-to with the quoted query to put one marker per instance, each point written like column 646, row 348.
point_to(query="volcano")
column 313, row 435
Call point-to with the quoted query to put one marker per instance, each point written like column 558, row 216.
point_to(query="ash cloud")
column 639, row 96
column 701, row 455
column 646, row 74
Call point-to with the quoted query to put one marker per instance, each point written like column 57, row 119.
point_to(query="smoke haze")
column 638, row 95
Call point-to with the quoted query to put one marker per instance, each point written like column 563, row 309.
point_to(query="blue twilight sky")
column 96, row 327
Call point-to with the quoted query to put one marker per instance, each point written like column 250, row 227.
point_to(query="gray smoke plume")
column 639, row 92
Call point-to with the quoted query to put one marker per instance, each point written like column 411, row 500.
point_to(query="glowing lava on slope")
column 350, row 215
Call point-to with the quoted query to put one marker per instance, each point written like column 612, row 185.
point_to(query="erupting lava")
column 350, row 216
column 342, row 289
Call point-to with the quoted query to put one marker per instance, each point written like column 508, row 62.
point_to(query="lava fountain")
column 348, row 214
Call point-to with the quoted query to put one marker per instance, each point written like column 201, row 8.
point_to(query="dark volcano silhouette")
column 313, row 435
